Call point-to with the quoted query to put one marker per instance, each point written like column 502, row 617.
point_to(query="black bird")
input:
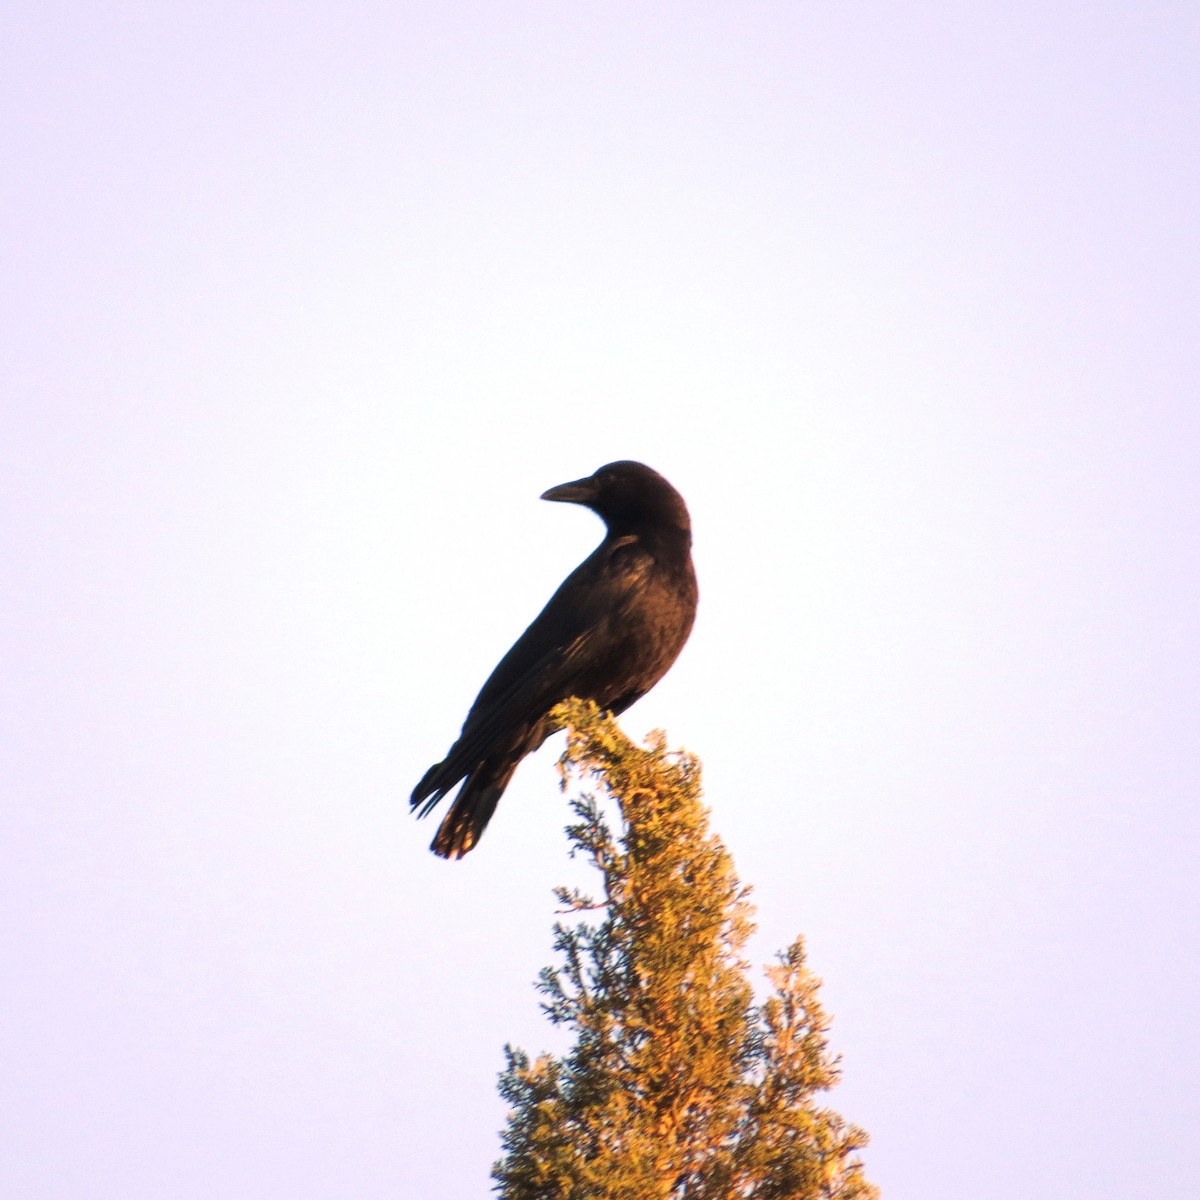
column 609, row 634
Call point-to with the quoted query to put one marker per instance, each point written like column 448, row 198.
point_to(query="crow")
column 609, row 634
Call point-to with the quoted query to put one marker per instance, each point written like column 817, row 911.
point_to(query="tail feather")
column 472, row 810
column 484, row 782
column 435, row 783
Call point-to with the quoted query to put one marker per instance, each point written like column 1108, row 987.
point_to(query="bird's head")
column 627, row 496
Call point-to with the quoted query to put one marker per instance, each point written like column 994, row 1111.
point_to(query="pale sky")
column 304, row 305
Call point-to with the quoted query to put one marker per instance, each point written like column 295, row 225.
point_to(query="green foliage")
column 678, row 1084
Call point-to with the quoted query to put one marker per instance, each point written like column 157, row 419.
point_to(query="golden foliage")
column 678, row 1084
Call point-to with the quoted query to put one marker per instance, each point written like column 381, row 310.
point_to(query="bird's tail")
column 468, row 817
column 471, row 811
column 485, row 779
column 472, row 808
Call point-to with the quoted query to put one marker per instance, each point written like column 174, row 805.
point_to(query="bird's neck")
column 667, row 543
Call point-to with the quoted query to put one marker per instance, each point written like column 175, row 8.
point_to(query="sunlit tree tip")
column 677, row 1084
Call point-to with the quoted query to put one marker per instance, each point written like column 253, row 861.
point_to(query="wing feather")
column 547, row 661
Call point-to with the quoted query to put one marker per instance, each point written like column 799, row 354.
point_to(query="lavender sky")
column 303, row 307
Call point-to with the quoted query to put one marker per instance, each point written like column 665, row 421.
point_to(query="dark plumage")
column 609, row 634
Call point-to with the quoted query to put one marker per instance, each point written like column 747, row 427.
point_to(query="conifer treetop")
column 677, row 1084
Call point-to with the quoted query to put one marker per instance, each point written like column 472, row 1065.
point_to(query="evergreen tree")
column 678, row 1085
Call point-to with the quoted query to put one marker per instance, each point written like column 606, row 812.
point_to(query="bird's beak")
column 580, row 491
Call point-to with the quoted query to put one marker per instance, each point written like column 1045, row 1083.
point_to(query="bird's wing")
column 578, row 624
column 589, row 603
